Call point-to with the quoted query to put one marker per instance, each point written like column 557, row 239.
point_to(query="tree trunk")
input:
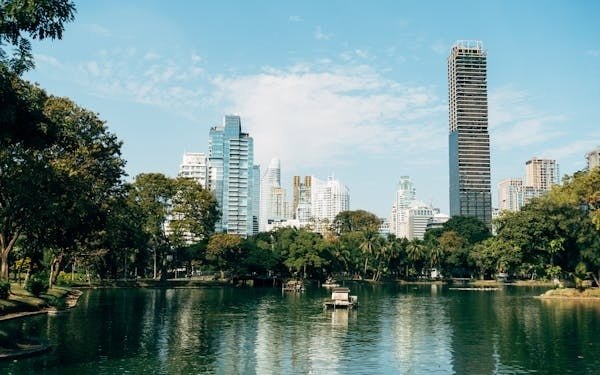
column 54, row 270
column 596, row 278
column 366, row 261
column 4, row 264
column 4, row 251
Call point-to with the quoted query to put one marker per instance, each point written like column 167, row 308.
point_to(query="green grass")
column 593, row 293
column 20, row 300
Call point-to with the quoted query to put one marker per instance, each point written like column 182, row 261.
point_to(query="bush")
column 4, row 289
column 36, row 286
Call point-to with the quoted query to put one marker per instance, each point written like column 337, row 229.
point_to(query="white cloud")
column 97, row 29
column 312, row 118
column 515, row 122
column 576, row 148
column 295, row 19
column 47, row 60
column 174, row 84
column 320, row 35
column 440, row 47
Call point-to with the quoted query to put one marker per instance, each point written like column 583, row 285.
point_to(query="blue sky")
column 357, row 89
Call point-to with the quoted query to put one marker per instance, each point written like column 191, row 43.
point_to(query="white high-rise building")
column 194, row 166
column 419, row 216
column 510, row 196
column 327, row 200
column 593, row 158
column 272, row 196
column 541, row 174
column 405, row 197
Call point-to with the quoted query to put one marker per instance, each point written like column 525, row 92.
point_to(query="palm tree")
column 436, row 254
column 416, row 251
column 368, row 247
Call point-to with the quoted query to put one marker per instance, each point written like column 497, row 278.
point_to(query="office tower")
column 469, row 142
column 232, row 177
column 405, row 196
column 301, row 198
column 272, row 196
column 593, row 159
column 194, row 166
column 510, row 194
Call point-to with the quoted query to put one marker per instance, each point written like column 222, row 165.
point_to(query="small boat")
column 330, row 283
column 293, row 286
column 341, row 298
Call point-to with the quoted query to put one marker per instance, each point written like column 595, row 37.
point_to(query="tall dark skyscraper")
column 469, row 140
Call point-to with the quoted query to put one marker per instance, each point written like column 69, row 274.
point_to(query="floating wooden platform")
column 341, row 298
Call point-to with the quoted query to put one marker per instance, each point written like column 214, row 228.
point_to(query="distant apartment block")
column 540, row 176
column 405, row 197
column 194, row 166
column 328, row 198
column 510, row 197
column 593, row 159
column 469, row 143
column 301, row 203
column 273, row 207
column 419, row 216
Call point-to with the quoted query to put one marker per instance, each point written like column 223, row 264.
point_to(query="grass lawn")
column 20, row 300
column 588, row 293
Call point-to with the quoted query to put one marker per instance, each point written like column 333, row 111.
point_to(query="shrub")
column 36, row 286
column 4, row 289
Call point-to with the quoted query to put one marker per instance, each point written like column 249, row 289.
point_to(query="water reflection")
column 396, row 330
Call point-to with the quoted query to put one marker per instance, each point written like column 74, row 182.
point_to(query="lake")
column 397, row 329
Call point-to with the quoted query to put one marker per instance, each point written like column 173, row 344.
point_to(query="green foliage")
column 36, row 286
column 4, row 289
column 194, row 210
column 469, row 228
column 355, row 221
column 40, row 19
column 226, row 251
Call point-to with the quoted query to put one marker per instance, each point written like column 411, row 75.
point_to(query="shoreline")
column 71, row 298
column 572, row 294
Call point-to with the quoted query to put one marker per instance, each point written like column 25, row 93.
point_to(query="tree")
column 306, row 253
column 355, row 221
column 226, row 250
column 194, row 210
column 368, row 246
column 470, row 228
column 39, row 19
column 416, row 252
column 87, row 162
column 152, row 192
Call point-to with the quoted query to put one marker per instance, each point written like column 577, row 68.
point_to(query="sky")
column 351, row 89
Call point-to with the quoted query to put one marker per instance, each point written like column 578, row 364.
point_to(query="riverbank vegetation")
column 68, row 215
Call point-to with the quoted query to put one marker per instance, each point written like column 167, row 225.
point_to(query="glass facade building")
column 469, row 141
column 231, row 177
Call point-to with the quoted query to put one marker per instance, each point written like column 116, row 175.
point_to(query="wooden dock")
column 341, row 298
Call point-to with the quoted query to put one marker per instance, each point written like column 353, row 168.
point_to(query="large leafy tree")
column 306, row 253
column 152, row 193
column 194, row 210
column 355, row 221
column 35, row 19
column 226, row 251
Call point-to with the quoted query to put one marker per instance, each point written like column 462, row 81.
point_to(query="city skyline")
column 368, row 103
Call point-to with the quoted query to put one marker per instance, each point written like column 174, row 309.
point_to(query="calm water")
column 396, row 330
